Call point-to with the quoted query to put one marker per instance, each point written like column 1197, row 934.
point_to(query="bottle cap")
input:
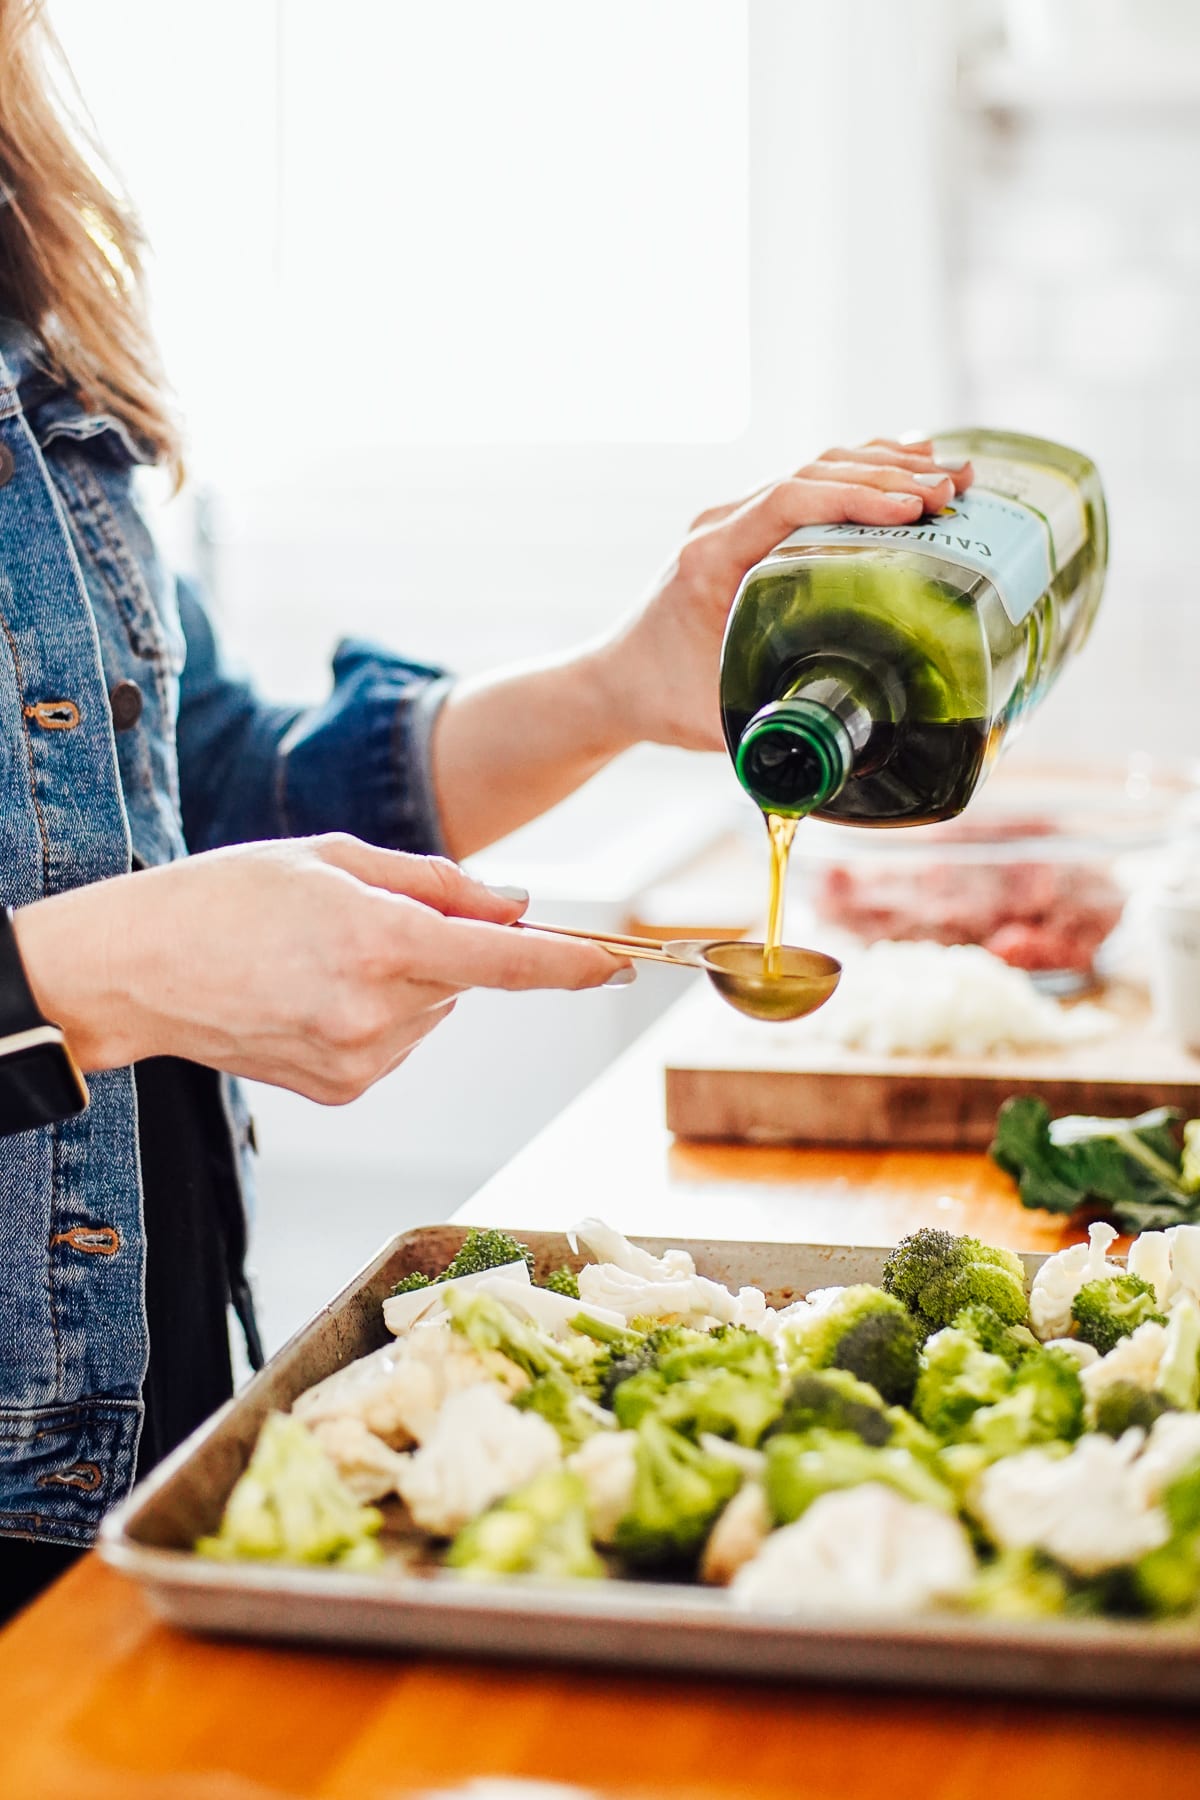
column 794, row 756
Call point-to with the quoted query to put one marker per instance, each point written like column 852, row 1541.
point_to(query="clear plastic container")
column 1040, row 871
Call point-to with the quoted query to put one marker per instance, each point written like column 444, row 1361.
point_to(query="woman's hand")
column 660, row 669
column 509, row 745
column 315, row 964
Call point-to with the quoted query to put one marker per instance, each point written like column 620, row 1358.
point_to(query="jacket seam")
column 33, row 782
column 51, row 1284
column 91, row 494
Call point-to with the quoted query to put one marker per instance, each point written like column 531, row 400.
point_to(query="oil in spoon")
column 780, row 830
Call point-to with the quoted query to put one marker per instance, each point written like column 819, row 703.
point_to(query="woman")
column 202, row 882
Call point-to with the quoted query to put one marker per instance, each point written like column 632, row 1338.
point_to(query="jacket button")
column 126, row 702
column 7, row 464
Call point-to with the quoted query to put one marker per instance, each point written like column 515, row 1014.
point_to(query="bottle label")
column 1018, row 524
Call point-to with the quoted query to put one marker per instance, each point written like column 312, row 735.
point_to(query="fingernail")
column 907, row 499
column 930, row 481
column 953, row 465
column 622, row 977
column 508, row 893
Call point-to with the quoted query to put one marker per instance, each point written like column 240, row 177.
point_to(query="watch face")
column 39, row 1084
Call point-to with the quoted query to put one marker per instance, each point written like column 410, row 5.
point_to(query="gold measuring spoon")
column 799, row 982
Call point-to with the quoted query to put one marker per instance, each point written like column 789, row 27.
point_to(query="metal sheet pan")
column 617, row 1622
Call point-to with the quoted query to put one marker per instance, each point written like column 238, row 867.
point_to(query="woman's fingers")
column 764, row 522
column 433, row 880
column 912, row 456
column 917, row 458
column 932, row 486
column 464, row 953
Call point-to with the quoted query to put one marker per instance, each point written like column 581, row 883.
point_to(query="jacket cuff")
column 362, row 762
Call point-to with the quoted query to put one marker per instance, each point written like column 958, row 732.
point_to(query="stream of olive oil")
column 780, row 831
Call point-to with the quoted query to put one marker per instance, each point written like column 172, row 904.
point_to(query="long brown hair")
column 70, row 244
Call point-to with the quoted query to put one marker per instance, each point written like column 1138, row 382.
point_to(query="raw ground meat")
column 1034, row 915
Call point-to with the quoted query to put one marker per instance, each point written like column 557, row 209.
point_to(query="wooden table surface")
column 98, row 1699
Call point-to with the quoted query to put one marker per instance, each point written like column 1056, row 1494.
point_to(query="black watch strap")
column 19, row 1011
column 40, row 1081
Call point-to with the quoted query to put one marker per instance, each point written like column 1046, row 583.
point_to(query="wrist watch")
column 40, row 1081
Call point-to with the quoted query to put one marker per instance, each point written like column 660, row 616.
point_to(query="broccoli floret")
column 563, row 1281
column 487, row 1323
column 908, row 1434
column 573, row 1415
column 1044, row 1405
column 936, row 1275
column 960, row 1466
column 1181, row 1501
column 680, row 1353
column 800, row 1469
column 867, row 1332
column 541, row 1529
column 674, row 1348
column 1020, row 1584
column 990, row 1332
column 957, row 1378
column 1106, row 1311
column 678, row 1491
column 1167, row 1580
column 626, row 1350
column 480, row 1249
column 411, row 1284
column 291, row 1505
column 613, row 1337
column 834, row 1400
column 484, row 1249
column 721, row 1401
column 1122, row 1405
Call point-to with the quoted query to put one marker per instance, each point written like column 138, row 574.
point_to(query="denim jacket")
column 87, row 604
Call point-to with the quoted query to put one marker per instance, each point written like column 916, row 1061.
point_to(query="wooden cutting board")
column 729, row 1078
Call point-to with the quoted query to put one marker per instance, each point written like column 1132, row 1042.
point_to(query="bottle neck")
column 798, row 752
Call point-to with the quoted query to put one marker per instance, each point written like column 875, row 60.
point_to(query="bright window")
column 456, row 223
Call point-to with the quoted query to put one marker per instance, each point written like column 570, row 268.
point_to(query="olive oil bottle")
column 871, row 673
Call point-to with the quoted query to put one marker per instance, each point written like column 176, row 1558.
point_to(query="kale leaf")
column 1133, row 1169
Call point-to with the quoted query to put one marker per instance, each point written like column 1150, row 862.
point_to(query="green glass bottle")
column 871, row 673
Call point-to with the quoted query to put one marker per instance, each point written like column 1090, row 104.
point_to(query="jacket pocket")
column 63, row 1467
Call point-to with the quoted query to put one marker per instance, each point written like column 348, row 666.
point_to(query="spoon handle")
column 638, row 948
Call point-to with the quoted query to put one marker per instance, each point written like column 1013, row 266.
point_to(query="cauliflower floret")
column 1172, row 1447
column 607, row 1465
column 480, row 1450
column 776, row 1319
column 1185, row 1259
column 751, row 1308
column 864, row 1550
column 366, row 1465
column 738, row 1535
column 1081, row 1354
column 1150, row 1257
column 607, row 1245
column 1061, row 1276
column 631, row 1282
column 1087, row 1509
column 398, row 1391
column 821, row 1299
column 1135, row 1358
column 690, row 1299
